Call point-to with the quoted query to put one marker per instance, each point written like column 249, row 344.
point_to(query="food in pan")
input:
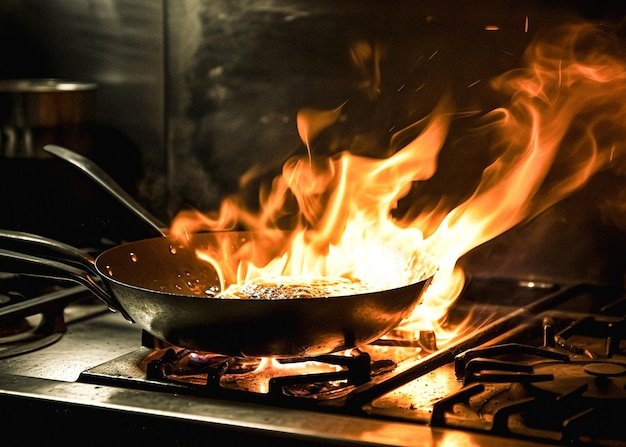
column 288, row 288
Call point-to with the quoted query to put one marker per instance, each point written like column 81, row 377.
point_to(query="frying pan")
column 159, row 283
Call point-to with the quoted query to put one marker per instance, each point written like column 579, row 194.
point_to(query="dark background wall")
column 193, row 93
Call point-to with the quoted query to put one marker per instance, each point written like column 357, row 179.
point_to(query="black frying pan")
column 159, row 284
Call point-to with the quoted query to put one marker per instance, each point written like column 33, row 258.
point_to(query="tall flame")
column 565, row 122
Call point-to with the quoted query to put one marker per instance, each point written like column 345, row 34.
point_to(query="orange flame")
column 564, row 123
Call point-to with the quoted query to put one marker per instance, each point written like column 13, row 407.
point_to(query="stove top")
column 547, row 368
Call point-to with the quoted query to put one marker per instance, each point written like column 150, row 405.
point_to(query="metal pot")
column 35, row 112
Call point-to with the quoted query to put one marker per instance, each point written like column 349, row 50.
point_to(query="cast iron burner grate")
column 571, row 390
column 321, row 377
column 32, row 312
column 328, row 381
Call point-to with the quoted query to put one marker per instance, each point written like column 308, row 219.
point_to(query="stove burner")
column 605, row 369
column 571, row 390
column 320, row 377
column 28, row 338
column 34, row 317
column 12, row 326
column 587, row 379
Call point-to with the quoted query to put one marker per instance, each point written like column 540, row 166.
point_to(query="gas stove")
column 536, row 364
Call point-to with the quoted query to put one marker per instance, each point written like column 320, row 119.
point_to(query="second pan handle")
column 30, row 254
column 24, row 264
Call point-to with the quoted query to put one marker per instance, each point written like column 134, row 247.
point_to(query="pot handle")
column 25, row 264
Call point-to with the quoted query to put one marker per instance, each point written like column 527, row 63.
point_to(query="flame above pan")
column 563, row 122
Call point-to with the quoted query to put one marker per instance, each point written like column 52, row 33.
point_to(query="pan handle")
column 103, row 179
column 33, row 244
column 25, row 264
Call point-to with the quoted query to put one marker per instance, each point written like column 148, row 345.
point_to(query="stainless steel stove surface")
column 545, row 369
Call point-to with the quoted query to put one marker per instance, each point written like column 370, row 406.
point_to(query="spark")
column 612, row 153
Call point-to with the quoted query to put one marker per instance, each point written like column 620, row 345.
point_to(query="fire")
column 564, row 123
column 344, row 204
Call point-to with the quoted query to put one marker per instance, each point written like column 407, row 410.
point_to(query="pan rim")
column 103, row 271
column 112, row 279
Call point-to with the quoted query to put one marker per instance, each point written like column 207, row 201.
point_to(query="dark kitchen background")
column 192, row 94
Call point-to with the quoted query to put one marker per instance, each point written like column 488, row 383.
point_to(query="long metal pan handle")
column 36, row 245
column 96, row 173
column 13, row 262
